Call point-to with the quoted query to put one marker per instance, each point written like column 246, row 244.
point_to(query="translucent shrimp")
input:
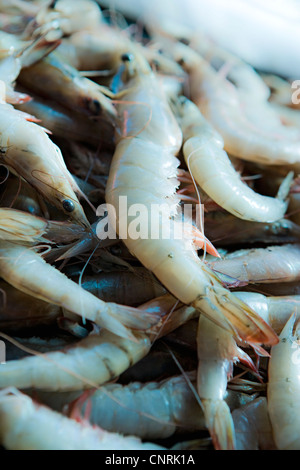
column 259, row 265
column 252, row 425
column 26, row 270
column 26, row 425
column 217, row 353
column 284, row 388
column 93, row 361
column 128, row 288
column 106, row 354
column 148, row 128
column 275, row 310
column 249, row 125
column 67, row 124
column 214, row 172
column 152, row 410
column 224, row 229
column 26, row 149
column 66, row 86
column 101, row 49
column 19, row 311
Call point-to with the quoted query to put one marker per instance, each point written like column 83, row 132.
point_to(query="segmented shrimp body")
column 26, row 425
column 284, row 388
column 249, row 125
column 213, row 171
column 67, row 86
column 217, row 353
column 148, row 138
column 252, row 425
column 277, row 263
column 150, row 411
column 94, row 360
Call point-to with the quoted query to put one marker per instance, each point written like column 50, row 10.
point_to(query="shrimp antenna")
column 185, row 375
column 80, row 278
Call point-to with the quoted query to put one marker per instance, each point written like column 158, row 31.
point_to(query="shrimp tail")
column 235, row 316
column 132, row 317
column 220, row 424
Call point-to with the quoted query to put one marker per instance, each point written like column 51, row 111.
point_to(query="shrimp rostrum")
column 144, row 169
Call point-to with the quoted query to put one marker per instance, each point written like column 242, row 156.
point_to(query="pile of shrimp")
column 138, row 342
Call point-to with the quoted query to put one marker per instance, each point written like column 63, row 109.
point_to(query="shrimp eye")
column 68, row 205
column 127, row 57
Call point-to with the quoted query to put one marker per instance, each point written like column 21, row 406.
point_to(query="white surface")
column 265, row 33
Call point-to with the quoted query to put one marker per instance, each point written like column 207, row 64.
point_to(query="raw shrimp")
column 259, row 265
column 26, row 425
column 106, row 355
column 217, row 353
column 213, row 171
column 284, row 388
column 26, row 270
column 20, row 227
column 96, row 359
column 235, row 68
column 224, row 229
column 28, row 151
column 128, row 288
column 148, row 137
column 150, row 411
column 67, row 124
column 20, row 311
column 275, row 310
column 252, row 425
column 153, row 410
column 66, row 86
column 249, row 125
